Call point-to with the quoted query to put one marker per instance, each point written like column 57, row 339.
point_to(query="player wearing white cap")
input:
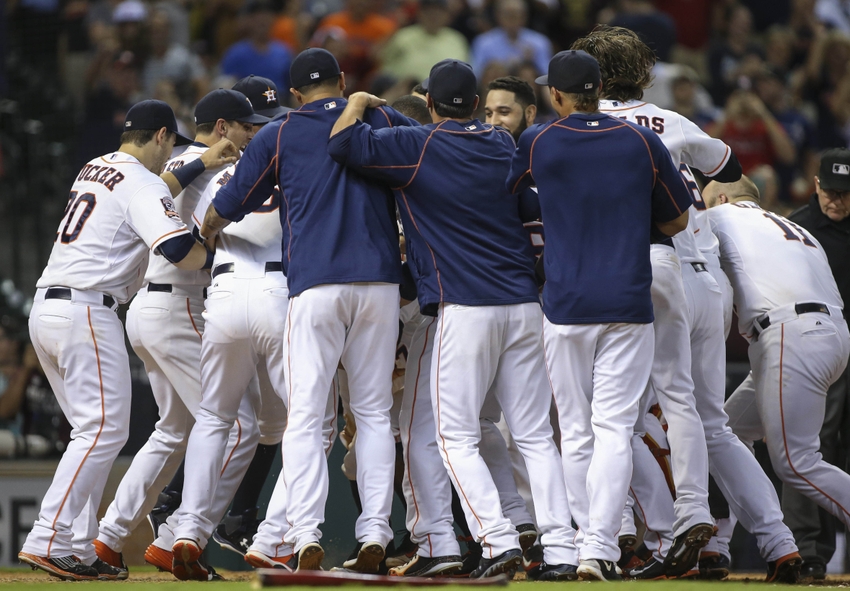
column 792, row 315
column 118, row 212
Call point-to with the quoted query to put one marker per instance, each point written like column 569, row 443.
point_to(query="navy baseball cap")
column 572, row 71
column 230, row 105
column 154, row 115
column 311, row 66
column 834, row 173
column 452, row 82
column 262, row 93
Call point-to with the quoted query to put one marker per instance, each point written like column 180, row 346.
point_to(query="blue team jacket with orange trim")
column 602, row 183
column 338, row 226
column 468, row 243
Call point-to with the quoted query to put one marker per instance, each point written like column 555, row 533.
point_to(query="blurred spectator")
column 806, row 27
column 178, row 18
column 733, row 60
column 528, row 72
column 654, row 27
column 683, row 87
column 412, row 51
column 835, row 14
column 511, row 42
column 772, row 90
column 754, row 134
column 827, row 85
column 365, row 29
column 215, row 27
column 130, row 20
column 173, row 62
column 779, row 48
column 293, row 26
column 258, row 53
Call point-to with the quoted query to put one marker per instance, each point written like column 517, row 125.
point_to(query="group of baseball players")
column 401, row 276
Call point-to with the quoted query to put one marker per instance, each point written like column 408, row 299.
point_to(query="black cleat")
column 713, row 566
column 785, row 570
column 67, row 568
column 107, row 572
column 166, row 504
column 471, row 558
column 507, row 562
column 429, row 566
column 527, row 535
column 651, row 570
column 684, row 554
column 367, row 560
column 236, row 532
column 554, row 572
column 812, row 570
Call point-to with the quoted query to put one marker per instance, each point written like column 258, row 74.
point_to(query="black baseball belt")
column 167, row 288
column 271, row 267
column 64, row 293
column 805, row 308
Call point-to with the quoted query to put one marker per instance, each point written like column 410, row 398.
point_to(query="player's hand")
column 366, row 100
column 222, row 153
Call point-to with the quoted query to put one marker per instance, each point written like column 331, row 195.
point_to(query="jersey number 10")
column 77, row 211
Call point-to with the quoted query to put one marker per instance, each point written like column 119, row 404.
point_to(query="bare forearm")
column 213, row 223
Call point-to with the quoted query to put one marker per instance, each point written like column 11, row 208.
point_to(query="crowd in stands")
column 770, row 77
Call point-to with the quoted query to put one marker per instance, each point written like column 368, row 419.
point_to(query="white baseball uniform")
column 789, row 307
column 734, row 468
column 117, row 212
column 164, row 326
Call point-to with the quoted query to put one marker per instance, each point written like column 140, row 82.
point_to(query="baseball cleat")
column 110, row 556
column 308, row 557
column 236, row 532
column 812, row 570
column 471, row 558
column 684, row 554
column 107, row 572
column 403, row 554
column 532, row 559
column 651, row 570
column 160, row 558
column 368, row 559
column 713, row 566
column 598, row 570
column 429, row 566
column 259, row 560
column 507, row 562
column 554, row 572
column 188, row 564
column 166, row 504
column 527, row 535
column 67, row 568
column 785, row 570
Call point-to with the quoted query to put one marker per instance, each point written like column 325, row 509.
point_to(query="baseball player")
column 793, row 319
column 598, row 312
column 627, row 62
column 164, row 326
column 448, row 181
column 118, row 211
column 342, row 262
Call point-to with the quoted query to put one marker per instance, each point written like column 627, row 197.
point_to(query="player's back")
column 770, row 261
column 470, row 246
column 340, row 227
column 116, row 207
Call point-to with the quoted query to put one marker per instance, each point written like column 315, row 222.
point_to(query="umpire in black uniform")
column 827, row 217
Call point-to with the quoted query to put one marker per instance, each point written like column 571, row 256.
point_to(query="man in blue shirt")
column 511, row 42
column 342, row 262
column 473, row 266
column 605, row 185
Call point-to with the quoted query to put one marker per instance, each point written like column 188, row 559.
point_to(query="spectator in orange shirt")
column 365, row 28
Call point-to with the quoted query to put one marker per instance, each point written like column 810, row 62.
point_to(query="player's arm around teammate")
column 119, row 210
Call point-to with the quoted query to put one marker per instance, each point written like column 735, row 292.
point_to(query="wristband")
column 189, row 172
column 209, row 262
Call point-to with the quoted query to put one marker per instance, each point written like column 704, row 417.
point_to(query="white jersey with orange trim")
column 771, row 262
column 688, row 146
column 117, row 212
column 160, row 270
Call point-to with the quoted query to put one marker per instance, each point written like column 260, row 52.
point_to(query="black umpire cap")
column 451, row 82
column 834, row 171
column 230, row 105
column 263, row 94
column 154, row 115
column 311, row 66
column 572, row 71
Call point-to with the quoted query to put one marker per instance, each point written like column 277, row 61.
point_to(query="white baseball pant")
column 673, row 387
column 747, row 489
column 478, row 349
column 80, row 345
column 357, row 324
column 245, row 321
column 598, row 373
column 794, row 361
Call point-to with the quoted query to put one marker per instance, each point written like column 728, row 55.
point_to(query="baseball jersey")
column 469, row 246
column 159, row 269
column 118, row 211
column 770, row 261
column 602, row 183
column 689, row 146
column 252, row 242
column 338, row 226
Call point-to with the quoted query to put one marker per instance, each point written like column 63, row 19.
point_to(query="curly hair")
column 625, row 62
